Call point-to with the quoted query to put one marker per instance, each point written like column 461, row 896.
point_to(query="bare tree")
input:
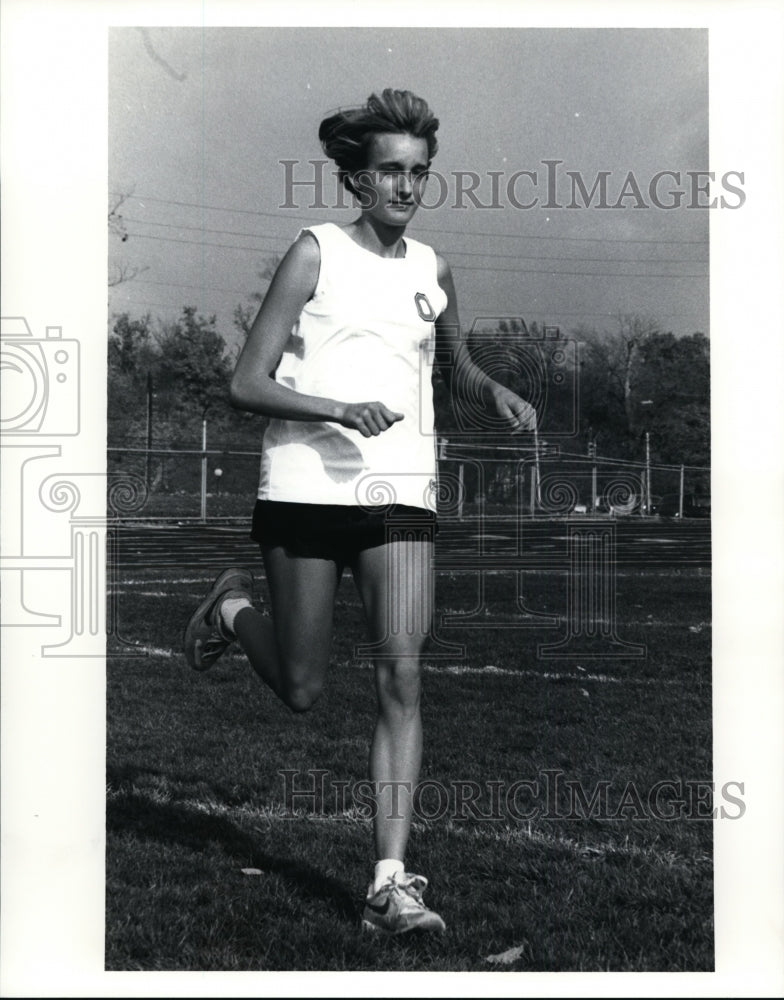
column 118, row 273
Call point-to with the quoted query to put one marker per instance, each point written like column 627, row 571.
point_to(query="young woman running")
column 335, row 358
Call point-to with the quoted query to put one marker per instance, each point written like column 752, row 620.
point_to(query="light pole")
column 594, row 478
column 536, row 493
column 204, row 470
column 647, row 402
column 148, row 456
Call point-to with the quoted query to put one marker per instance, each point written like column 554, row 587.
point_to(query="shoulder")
column 443, row 269
column 299, row 270
column 307, row 245
column 313, row 243
column 304, row 252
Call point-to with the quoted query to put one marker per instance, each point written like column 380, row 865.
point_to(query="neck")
column 378, row 237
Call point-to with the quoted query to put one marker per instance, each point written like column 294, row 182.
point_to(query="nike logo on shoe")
column 381, row 910
column 402, row 909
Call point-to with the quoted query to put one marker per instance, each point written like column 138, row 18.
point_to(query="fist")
column 370, row 419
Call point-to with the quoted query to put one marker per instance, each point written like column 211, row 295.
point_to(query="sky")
column 200, row 121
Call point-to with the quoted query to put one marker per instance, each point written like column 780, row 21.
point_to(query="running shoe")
column 397, row 907
column 206, row 639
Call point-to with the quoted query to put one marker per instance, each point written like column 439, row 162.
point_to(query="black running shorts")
column 337, row 531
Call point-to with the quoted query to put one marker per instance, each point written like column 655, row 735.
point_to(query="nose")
column 405, row 183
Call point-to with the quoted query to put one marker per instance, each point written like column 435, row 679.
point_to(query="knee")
column 399, row 684
column 301, row 698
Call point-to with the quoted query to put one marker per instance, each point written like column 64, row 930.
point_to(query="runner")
column 335, row 358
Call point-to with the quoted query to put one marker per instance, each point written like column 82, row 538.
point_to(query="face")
column 391, row 185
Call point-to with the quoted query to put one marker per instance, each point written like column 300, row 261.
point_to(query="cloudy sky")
column 200, row 120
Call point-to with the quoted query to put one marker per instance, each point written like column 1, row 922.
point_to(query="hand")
column 370, row 419
column 519, row 414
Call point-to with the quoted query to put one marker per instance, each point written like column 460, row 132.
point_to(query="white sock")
column 384, row 870
column 229, row 609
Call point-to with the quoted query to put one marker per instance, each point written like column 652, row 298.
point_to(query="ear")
column 346, row 179
column 366, row 197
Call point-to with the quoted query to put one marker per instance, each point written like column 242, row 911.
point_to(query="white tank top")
column 366, row 334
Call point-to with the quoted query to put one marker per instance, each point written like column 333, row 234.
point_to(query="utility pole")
column 594, row 489
column 148, row 457
column 647, row 402
column 680, row 497
column 204, row 470
column 538, row 491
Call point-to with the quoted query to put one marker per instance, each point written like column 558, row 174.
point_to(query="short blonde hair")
column 346, row 135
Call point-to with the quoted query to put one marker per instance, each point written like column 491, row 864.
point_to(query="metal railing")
column 208, row 483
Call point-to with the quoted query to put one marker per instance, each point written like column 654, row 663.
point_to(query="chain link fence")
column 210, row 484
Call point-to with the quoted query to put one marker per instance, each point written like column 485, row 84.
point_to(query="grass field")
column 195, row 795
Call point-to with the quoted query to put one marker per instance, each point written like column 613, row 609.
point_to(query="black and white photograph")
column 391, row 583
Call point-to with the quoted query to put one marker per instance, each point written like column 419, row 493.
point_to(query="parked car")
column 694, row 505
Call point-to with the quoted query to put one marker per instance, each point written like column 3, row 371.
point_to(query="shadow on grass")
column 181, row 825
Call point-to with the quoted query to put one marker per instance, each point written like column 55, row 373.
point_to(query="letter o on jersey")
column 425, row 310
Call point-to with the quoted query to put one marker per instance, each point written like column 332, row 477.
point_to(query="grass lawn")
column 539, row 876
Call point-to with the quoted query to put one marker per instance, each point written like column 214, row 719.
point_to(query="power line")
column 492, row 312
column 478, row 312
column 584, row 274
column 148, row 302
column 460, row 253
column 196, row 243
column 600, row 260
column 562, row 239
column 456, row 232
column 201, row 288
column 204, row 229
column 456, row 267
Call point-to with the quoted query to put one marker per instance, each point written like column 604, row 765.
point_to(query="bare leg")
column 290, row 650
column 394, row 581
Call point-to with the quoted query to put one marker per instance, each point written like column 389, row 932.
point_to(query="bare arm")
column 463, row 376
column 252, row 386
